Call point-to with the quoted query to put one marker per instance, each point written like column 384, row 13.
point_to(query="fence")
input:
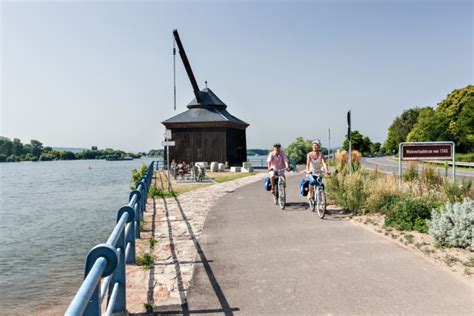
column 105, row 270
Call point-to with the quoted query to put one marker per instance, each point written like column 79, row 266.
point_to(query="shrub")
column 456, row 192
column 453, row 224
column 411, row 173
column 342, row 161
column 382, row 193
column 430, row 178
column 348, row 191
column 410, row 214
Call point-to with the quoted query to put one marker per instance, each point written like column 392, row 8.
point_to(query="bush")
column 410, row 214
column 453, row 224
column 383, row 193
column 348, row 191
column 456, row 192
column 3, row 158
column 430, row 178
column 411, row 174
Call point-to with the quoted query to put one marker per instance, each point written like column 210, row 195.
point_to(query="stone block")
column 250, row 169
column 246, row 165
column 234, row 169
column 221, row 167
column 214, row 166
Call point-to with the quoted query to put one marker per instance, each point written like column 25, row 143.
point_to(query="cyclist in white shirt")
column 315, row 163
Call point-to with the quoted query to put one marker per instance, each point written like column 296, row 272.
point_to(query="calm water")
column 51, row 215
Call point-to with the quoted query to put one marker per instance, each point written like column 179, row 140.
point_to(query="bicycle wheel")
column 321, row 203
column 282, row 196
column 275, row 195
column 311, row 202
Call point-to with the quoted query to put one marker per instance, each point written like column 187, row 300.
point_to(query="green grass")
column 450, row 260
column 146, row 261
column 152, row 242
column 470, row 262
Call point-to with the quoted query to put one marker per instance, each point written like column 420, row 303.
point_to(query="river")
column 51, row 215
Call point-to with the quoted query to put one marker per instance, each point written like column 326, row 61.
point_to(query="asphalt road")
column 256, row 259
column 388, row 165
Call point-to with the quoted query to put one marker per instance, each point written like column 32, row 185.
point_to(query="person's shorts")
column 272, row 174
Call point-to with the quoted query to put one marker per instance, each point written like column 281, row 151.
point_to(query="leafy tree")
column 401, row 126
column 27, row 149
column 375, row 148
column 6, row 146
column 3, row 157
column 17, row 147
column 37, row 147
column 357, row 142
column 300, row 148
column 431, row 126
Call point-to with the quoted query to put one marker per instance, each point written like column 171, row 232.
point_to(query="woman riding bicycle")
column 315, row 162
column 277, row 160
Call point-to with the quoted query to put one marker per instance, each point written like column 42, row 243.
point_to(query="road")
column 254, row 259
column 388, row 165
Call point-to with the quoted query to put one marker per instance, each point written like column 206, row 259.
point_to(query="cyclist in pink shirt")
column 277, row 161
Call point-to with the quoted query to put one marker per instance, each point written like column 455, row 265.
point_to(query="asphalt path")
column 388, row 165
column 254, row 258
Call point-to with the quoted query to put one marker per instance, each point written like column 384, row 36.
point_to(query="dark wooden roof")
column 210, row 110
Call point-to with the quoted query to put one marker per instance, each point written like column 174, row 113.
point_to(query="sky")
column 100, row 73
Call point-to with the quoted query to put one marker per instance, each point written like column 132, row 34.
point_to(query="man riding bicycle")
column 277, row 160
column 315, row 162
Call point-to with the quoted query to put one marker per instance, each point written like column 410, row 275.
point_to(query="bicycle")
column 279, row 194
column 318, row 199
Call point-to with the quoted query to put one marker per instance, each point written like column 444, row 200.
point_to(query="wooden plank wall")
column 199, row 144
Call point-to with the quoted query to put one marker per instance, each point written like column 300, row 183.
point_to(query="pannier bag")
column 304, row 187
column 268, row 184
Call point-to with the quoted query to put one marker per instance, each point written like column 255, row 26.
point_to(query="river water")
column 51, row 215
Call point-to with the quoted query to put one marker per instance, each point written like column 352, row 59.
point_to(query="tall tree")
column 401, row 127
column 37, row 147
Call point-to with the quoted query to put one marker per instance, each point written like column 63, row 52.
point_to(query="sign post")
column 167, row 143
column 426, row 151
column 329, row 149
column 349, row 138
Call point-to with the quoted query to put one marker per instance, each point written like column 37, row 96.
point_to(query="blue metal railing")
column 106, row 263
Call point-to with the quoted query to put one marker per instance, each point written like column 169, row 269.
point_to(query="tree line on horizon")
column 451, row 120
column 14, row 150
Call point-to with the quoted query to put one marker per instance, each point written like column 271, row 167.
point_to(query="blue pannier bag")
column 268, row 184
column 304, row 187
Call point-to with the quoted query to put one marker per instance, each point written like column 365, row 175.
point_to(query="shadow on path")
column 225, row 307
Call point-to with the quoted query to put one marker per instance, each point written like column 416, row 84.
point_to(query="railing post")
column 119, row 275
column 111, row 257
column 129, row 232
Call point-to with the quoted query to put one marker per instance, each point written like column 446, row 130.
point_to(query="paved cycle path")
column 257, row 259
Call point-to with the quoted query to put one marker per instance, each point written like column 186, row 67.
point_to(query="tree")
column 431, row 126
column 17, row 147
column 300, row 148
column 375, row 148
column 400, row 128
column 94, row 148
column 37, row 147
column 6, row 146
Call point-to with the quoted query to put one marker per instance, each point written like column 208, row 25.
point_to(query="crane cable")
column 174, row 72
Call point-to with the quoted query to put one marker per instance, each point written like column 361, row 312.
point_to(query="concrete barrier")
column 214, row 166
column 234, row 169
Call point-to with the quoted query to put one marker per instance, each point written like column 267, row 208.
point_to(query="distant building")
column 207, row 132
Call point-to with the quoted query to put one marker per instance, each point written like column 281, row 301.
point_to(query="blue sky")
column 83, row 73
